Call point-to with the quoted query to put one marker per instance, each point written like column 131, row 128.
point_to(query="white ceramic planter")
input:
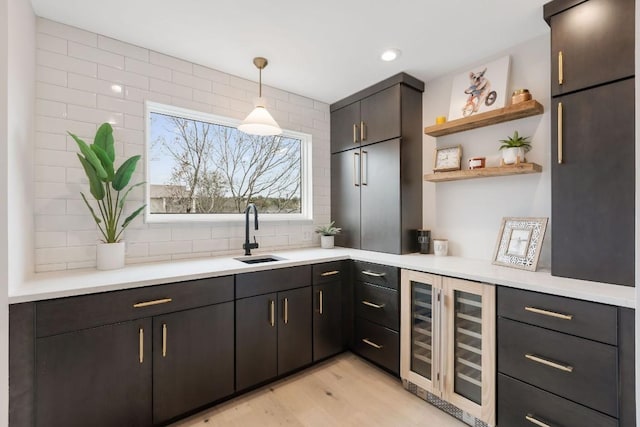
column 510, row 155
column 327, row 242
column 110, row 256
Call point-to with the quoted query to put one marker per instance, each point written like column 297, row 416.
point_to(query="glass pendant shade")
column 260, row 122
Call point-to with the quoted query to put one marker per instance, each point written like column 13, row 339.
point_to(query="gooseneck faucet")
column 247, row 244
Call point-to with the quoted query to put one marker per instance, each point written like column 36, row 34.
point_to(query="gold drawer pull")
column 141, row 345
column 543, row 361
column 164, row 340
column 321, row 308
column 150, row 303
column 372, row 274
column 560, row 68
column 371, row 343
column 272, row 313
column 549, row 313
column 330, row 273
column 370, row 304
column 286, row 311
column 534, row 420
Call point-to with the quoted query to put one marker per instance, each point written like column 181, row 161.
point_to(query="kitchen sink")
column 258, row 259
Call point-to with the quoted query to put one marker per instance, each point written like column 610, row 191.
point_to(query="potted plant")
column 514, row 148
column 108, row 187
column 327, row 234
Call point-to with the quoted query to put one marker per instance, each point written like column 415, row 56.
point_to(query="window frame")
column 306, row 171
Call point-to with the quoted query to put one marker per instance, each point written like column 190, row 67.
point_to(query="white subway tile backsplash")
column 66, row 63
column 98, row 56
column 76, row 73
column 122, row 48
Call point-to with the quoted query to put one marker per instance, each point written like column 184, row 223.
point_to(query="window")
column 200, row 167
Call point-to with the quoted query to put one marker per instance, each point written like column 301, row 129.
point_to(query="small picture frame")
column 448, row 159
column 519, row 242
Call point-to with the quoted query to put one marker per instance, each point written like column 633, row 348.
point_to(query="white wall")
column 75, row 72
column 469, row 213
column 4, row 248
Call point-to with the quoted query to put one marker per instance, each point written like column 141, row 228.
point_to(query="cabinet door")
column 596, row 39
column 193, row 359
column 345, row 128
column 380, row 116
column 470, row 347
column 256, row 340
column 327, row 319
column 97, row 377
column 593, row 190
column 345, row 197
column 380, row 197
column 294, row 329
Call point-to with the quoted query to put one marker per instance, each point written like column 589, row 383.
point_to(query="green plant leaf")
column 106, row 162
column 93, row 213
column 104, row 140
column 95, row 184
column 90, row 157
column 132, row 216
column 123, row 175
column 123, row 198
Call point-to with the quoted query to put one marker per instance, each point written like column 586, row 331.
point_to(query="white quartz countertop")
column 80, row 282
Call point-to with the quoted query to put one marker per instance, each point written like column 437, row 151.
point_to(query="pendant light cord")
column 260, row 84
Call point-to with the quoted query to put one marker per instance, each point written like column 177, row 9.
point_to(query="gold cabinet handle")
column 320, row 309
column 550, row 363
column 141, row 345
column 363, row 132
column 371, row 343
column 355, row 133
column 356, row 169
column 560, row 68
column 272, row 313
column 370, row 304
column 365, row 167
column 164, row 340
column 330, row 273
column 534, row 420
column 286, row 311
column 560, row 132
column 549, row 313
column 150, row 303
column 372, row 274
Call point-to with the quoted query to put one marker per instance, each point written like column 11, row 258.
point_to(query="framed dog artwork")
column 482, row 88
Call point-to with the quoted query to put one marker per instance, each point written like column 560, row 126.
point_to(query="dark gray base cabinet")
column 327, row 319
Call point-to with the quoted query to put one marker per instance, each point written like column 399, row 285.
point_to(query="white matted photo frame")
column 519, row 242
column 481, row 89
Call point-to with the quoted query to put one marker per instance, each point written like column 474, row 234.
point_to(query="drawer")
column 268, row 281
column 378, row 344
column 588, row 319
column 593, row 380
column 518, row 400
column 377, row 304
column 328, row 272
column 377, row 274
column 71, row 314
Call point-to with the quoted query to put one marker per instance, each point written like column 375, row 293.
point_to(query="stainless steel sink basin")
column 258, row 259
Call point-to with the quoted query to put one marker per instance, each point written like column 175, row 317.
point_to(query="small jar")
column 477, row 162
column 520, row 95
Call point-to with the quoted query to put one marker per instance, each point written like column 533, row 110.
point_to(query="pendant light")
column 259, row 121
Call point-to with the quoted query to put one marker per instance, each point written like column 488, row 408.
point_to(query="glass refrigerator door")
column 422, row 329
column 468, row 346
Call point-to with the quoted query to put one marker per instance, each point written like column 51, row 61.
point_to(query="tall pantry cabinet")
column 593, row 139
column 376, row 166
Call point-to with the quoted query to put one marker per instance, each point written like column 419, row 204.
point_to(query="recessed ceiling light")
column 390, row 55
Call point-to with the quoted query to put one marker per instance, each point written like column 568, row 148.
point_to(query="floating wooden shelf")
column 519, row 169
column 512, row 112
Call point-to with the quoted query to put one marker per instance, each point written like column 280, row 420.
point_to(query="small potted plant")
column 327, row 234
column 108, row 187
column 514, row 148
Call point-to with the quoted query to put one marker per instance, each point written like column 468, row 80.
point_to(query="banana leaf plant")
column 106, row 184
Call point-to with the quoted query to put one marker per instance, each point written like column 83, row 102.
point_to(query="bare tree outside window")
column 197, row 167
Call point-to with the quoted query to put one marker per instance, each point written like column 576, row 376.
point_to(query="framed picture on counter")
column 519, row 242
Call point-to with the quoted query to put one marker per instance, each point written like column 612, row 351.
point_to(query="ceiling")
column 324, row 49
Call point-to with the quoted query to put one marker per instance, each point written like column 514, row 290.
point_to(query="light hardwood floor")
column 343, row 391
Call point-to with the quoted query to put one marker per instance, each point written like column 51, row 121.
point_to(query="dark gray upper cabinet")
column 592, row 42
column 376, row 181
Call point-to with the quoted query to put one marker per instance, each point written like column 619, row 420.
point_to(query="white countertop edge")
column 81, row 282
